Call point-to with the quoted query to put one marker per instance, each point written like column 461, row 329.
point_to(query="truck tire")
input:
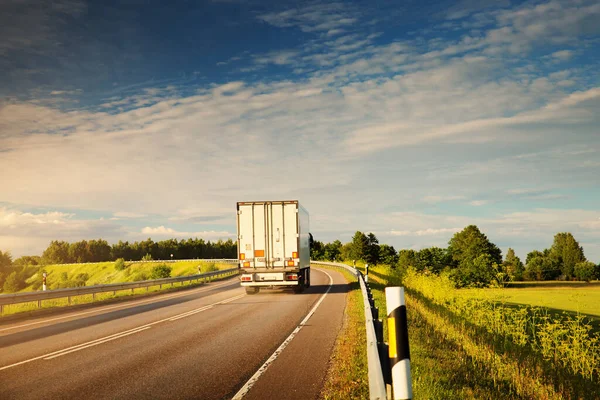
column 252, row 290
column 301, row 282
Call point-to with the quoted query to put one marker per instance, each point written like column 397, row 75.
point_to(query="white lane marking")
column 246, row 388
column 196, row 311
column 117, row 306
column 97, row 343
column 108, row 338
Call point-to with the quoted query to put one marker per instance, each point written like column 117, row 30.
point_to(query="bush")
column 147, row 257
column 13, row 283
column 120, row 264
column 585, row 271
column 160, row 271
column 208, row 267
column 140, row 276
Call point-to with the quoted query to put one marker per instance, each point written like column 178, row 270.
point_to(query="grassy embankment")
column 105, row 273
column 347, row 377
column 473, row 344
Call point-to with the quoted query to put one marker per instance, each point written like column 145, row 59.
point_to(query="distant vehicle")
column 273, row 245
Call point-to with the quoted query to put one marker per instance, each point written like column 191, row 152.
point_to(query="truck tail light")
column 242, row 256
column 246, row 279
column 294, row 254
column 247, row 264
column 292, row 277
column 290, row 263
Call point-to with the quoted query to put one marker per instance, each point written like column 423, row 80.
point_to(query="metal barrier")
column 26, row 297
column 217, row 260
column 376, row 349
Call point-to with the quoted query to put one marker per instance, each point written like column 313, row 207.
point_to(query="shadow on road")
column 66, row 326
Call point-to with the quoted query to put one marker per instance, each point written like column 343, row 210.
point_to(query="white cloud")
column 441, row 199
column 562, row 55
column 125, row 214
column 478, row 203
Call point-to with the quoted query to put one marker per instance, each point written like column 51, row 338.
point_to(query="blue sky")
column 130, row 120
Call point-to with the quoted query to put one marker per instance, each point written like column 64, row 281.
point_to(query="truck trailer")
column 273, row 245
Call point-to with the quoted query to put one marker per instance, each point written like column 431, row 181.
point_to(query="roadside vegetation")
column 480, row 326
column 347, row 377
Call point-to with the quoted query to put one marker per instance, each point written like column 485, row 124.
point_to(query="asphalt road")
column 203, row 343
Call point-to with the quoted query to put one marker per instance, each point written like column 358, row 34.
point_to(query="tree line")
column 14, row 273
column 470, row 259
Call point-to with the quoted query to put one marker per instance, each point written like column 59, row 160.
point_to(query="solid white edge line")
column 117, row 306
column 252, row 381
column 119, row 334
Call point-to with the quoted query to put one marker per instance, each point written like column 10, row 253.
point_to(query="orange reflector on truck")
column 247, row 264
column 290, row 263
column 292, row 277
column 294, row 254
column 259, row 253
column 242, row 256
column 246, row 278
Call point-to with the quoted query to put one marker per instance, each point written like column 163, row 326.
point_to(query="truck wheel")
column 252, row 290
column 301, row 282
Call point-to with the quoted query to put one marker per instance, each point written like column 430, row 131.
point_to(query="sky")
column 134, row 119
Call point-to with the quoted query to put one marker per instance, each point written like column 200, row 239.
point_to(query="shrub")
column 120, row 264
column 13, row 283
column 585, row 271
column 140, row 276
column 147, row 257
column 160, row 271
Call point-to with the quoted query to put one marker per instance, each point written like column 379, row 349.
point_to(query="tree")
column 471, row 250
column 566, row 253
column 56, row 253
column 5, row 266
column 359, row 247
column 79, row 252
column 480, row 272
column 470, row 243
column 512, row 266
column 433, row 259
column 585, row 271
column 13, row 283
column 372, row 251
column 408, row 258
column 332, row 251
column 540, row 266
column 388, row 255
column 317, row 250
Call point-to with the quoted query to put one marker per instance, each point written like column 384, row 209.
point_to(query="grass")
column 103, row 273
column 347, row 377
column 582, row 298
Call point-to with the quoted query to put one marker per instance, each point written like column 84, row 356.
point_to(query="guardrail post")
column 39, row 304
column 93, row 296
column 399, row 352
column 69, row 299
column 1, row 309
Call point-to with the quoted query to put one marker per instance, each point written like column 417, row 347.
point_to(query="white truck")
column 273, row 245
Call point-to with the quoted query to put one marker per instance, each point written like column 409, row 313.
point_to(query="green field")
column 105, row 272
column 527, row 341
column 577, row 297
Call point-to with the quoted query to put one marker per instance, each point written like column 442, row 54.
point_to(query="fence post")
column 398, row 344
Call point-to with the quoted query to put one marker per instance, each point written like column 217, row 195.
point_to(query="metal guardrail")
column 221, row 260
column 374, row 327
column 26, row 297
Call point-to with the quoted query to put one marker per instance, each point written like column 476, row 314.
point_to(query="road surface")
column 203, row 343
